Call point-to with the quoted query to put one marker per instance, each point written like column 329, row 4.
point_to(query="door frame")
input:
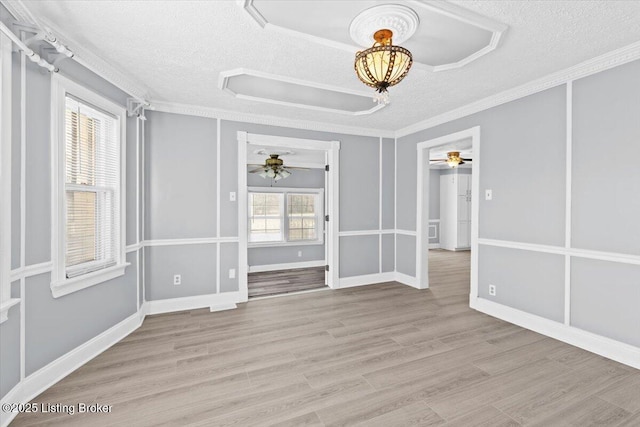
column 422, row 206
column 332, row 192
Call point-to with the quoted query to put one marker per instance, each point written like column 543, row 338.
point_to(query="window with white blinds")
column 88, row 173
column 92, row 187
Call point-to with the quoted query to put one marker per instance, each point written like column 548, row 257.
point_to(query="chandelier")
column 382, row 65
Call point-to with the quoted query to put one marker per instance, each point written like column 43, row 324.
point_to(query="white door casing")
column 332, row 192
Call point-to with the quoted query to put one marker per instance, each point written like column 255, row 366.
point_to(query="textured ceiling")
column 177, row 49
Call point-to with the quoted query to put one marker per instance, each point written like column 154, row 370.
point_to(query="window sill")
column 5, row 306
column 283, row 244
column 66, row 286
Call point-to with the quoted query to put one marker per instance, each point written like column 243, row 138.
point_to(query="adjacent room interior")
column 267, row 212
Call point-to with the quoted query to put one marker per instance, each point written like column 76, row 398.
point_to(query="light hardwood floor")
column 380, row 355
column 285, row 281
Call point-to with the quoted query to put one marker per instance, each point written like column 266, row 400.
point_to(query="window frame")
column 318, row 193
column 60, row 283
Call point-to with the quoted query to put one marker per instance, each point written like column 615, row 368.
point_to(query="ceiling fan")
column 453, row 159
column 274, row 168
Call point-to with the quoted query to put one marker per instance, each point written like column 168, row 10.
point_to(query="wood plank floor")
column 380, row 355
column 285, row 281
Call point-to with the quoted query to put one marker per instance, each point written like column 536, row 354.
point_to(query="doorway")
column 424, row 227
column 326, row 215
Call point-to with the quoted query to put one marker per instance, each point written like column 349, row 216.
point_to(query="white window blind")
column 92, row 188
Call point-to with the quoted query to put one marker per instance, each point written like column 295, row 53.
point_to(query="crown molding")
column 83, row 56
column 592, row 66
column 234, row 116
column 19, row 11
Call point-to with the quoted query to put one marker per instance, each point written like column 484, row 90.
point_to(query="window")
column 89, row 201
column 285, row 216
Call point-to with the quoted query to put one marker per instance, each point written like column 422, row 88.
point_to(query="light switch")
column 232, row 196
column 488, row 194
column 232, row 273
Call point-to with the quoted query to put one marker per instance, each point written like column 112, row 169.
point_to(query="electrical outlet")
column 488, row 194
column 177, row 279
column 232, row 273
column 492, row 290
column 232, row 196
column 299, row 254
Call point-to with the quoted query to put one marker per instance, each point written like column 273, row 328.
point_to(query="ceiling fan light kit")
column 274, row 168
column 383, row 65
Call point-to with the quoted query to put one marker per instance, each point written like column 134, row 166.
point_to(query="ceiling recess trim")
column 439, row 6
column 226, row 77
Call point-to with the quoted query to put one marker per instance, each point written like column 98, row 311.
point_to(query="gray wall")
column 195, row 263
column 55, row 326
column 180, row 168
column 180, row 202
column 529, row 199
column 606, row 180
column 313, row 178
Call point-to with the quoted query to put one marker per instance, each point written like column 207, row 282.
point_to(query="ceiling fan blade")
column 469, row 160
column 296, row 168
column 437, row 160
column 261, row 168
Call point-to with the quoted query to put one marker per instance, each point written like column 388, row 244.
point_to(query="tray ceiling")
column 176, row 51
column 447, row 36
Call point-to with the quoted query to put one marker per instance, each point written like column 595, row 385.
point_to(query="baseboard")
column 50, row 374
column 215, row 302
column 434, row 245
column 405, row 279
column 286, row 266
column 366, row 279
column 606, row 347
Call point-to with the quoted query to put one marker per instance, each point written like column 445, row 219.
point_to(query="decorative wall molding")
column 192, row 241
column 406, row 232
column 31, row 270
column 365, row 232
column 366, row 279
column 600, row 63
column 559, row 250
column 234, row 116
column 286, row 266
column 612, row 349
column 215, row 302
column 134, row 247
